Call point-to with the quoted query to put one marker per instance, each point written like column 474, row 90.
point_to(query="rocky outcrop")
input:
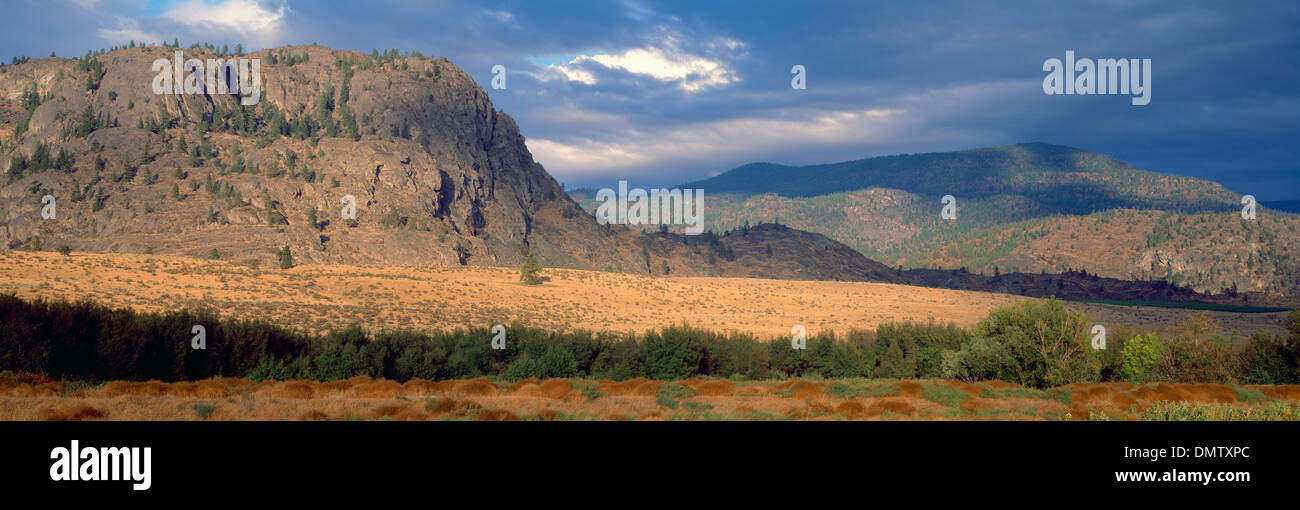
column 438, row 175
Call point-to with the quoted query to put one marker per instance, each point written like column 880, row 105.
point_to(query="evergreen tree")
column 286, row 258
column 530, row 272
column 892, row 363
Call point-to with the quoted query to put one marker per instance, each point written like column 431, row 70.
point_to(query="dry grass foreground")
column 320, row 297
column 363, row 398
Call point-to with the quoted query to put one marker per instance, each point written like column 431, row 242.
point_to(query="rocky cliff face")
column 439, row 176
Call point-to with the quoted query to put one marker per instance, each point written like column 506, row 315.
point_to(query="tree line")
column 1036, row 343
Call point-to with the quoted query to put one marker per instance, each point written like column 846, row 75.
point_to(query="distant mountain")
column 1029, row 207
column 1057, row 179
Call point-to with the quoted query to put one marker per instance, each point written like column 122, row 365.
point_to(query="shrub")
column 272, row 370
column 671, row 354
column 922, row 347
column 669, row 394
column 1140, row 355
column 1187, row 411
column 1046, row 341
column 1195, row 360
column 63, row 249
column 1248, row 395
column 981, row 359
column 1263, row 360
column 394, row 219
column 286, row 258
column 204, row 410
column 273, row 217
column 530, row 272
column 589, row 389
column 943, row 395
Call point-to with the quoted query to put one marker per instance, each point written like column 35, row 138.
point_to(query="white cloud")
column 503, row 15
column 568, row 72
column 261, row 25
column 694, row 72
column 665, row 58
column 127, row 30
column 587, row 157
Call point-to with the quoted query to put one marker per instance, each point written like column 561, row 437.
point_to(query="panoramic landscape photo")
column 263, row 210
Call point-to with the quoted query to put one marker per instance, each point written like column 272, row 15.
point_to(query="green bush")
column 1186, row 360
column 530, row 272
column 1047, row 342
column 943, row 395
column 1264, row 360
column 204, row 410
column 669, row 394
column 589, row 389
column 1188, row 411
column 286, row 258
column 980, row 360
column 671, row 354
column 1140, row 355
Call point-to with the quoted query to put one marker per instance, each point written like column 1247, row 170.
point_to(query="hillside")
column 1133, row 224
column 1059, row 179
column 439, row 175
column 1209, row 252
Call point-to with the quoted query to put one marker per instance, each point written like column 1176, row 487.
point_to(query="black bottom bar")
column 238, row 460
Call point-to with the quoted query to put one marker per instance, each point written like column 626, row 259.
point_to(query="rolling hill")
column 1030, row 207
column 1059, row 179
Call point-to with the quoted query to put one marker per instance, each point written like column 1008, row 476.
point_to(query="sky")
column 662, row 93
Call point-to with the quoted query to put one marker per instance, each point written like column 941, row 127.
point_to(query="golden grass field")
column 363, row 398
column 320, row 297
